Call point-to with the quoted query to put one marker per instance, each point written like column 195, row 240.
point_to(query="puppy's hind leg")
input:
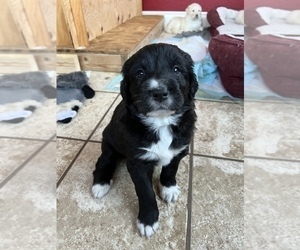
column 169, row 190
column 105, row 168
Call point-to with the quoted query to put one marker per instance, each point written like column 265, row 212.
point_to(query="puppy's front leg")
column 141, row 174
column 169, row 190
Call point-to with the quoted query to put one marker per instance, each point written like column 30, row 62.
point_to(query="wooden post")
column 74, row 18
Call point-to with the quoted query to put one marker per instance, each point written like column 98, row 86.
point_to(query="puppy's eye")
column 176, row 70
column 140, row 73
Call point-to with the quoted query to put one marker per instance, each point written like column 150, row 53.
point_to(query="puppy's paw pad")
column 99, row 190
column 146, row 230
column 169, row 194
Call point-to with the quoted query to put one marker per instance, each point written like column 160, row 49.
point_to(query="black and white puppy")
column 152, row 126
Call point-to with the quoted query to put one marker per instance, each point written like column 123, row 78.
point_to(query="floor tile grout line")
column 218, row 157
column 270, row 101
column 270, row 159
column 190, row 198
column 94, row 141
column 23, row 138
column 51, row 139
column 76, row 139
column 61, row 178
column 220, row 101
column 70, row 138
column 18, row 169
column 103, row 117
column 107, row 91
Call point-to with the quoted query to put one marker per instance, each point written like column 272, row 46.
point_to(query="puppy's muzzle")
column 159, row 94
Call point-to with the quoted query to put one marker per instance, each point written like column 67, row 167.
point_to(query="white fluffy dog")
column 192, row 21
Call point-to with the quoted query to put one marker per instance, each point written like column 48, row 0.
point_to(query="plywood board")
column 101, row 62
column 124, row 39
column 10, row 37
column 46, row 61
column 17, row 63
column 21, row 20
column 48, row 8
column 66, row 63
column 109, row 51
column 101, row 16
column 63, row 35
column 74, row 18
column 37, row 23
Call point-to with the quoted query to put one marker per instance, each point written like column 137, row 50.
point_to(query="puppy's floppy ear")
column 187, row 9
column 193, row 85
column 125, row 91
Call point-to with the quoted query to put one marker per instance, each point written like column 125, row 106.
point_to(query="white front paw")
column 99, row 190
column 169, row 194
column 147, row 231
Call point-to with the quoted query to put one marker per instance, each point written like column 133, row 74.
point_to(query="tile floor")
column 27, row 181
column 271, row 175
column 209, row 213
column 225, row 203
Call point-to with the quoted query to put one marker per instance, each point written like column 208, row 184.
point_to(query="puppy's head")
column 159, row 78
column 194, row 11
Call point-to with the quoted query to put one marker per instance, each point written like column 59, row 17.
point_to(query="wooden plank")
column 128, row 9
column 49, row 12
column 123, row 39
column 63, row 35
column 101, row 16
column 46, row 61
column 16, row 8
column 74, row 17
column 100, row 62
column 66, row 63
column 109, row 51
column 148, row 38
column 79, row 23
column 17, row 63
column 37, row 23
column 10, row 37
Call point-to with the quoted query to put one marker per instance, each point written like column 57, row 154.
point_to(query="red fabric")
column 213, row 31
column 278, row 62
column 253, row 19
column 233, row 85
column 249, row 31
column 228, row 54
column 213, row 18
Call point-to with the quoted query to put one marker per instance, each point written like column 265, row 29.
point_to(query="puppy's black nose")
column 159, row 94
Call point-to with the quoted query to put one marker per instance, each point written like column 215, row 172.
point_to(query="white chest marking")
column 161, row 150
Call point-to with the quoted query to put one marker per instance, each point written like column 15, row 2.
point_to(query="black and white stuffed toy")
column 72, row 90
column 21, row 94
